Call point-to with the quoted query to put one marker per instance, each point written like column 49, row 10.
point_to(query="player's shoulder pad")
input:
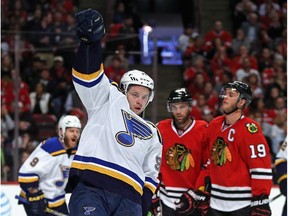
column 201, row 123
column 158, row 132
column 53, row 146
column 216, row 121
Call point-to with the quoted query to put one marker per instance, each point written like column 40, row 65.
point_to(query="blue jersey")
column 118, row 150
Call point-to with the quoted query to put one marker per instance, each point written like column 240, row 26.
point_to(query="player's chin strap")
column 48, row 210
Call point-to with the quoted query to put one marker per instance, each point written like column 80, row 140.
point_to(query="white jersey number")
column 258, row 151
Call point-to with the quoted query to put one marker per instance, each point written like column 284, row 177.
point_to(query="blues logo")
column 134, row 129
column 65, row 173
column 88, row 210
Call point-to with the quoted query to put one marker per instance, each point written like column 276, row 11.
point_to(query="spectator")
column 237, row 61
column 218, row 32
column 46, row 80
column 8, row 94
column 198, row 67
column 184, row 39
column 40, row 100
column 253, row 81
column 271, row 94
column 130, row 36
column 68, row 42
column 31, row 74
column 6, row 66
column 258, row 105
column 198, row 106
column 7, row 123
column 115, row 71
column 275, row 27
column 6, row 159
column 119, row 13
column 42, row 38
column 242, row 10
column 195, row 49
column 220, row 61
column 265, row 60
column 246, row 70
column 266, row 5
column 239, row 40
column 121, row 53
column 251, row 27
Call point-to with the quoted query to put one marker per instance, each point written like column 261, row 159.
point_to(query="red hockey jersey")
column 182, row 159
column 240, row 165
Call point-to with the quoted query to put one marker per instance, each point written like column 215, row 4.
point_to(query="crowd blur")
column 255, row 51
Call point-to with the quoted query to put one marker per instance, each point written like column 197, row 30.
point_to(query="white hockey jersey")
column 118, row 150
column 47, row 168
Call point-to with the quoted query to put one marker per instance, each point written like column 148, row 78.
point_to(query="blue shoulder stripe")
column 53, row 147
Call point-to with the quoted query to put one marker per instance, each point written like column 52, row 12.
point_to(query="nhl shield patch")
column 252, row 128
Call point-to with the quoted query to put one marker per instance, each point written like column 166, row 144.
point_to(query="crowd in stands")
column 255, row 51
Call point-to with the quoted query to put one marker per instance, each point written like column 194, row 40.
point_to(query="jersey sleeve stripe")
column 57, row 201
column 88, row 77
column 27, row 177
column 152, row 185
column 88, row 84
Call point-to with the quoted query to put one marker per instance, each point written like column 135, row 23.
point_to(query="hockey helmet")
column 179, row 95
column 66, row 122
column 245, row 91
column 136, row 77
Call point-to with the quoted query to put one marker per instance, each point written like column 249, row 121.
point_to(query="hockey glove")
column 191, row 200
column 260, row 206
column 90, row 26
column 154, row 209
column 38, row 203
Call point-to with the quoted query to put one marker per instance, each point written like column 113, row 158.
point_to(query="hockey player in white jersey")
column 118, row 159
column 44, row 175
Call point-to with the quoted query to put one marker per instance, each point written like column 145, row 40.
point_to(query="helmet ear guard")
column 179, row 95
column 136, row 77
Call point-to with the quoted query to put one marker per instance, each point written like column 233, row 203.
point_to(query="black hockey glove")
column 154, row 209
column 38, row 203
column 191, row 200
column 260, row 205
column 90, row 26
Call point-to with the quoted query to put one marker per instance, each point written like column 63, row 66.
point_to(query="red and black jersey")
column 240, row 165
column 183, row 157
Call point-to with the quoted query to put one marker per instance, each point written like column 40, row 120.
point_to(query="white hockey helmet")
column 136, row 77
column 68, row 121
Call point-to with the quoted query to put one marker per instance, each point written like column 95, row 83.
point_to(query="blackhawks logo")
column 178, row 157
column 220, row 152
column 252, row 128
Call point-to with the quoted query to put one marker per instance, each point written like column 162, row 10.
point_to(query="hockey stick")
column 49, row 210
column 274, row 198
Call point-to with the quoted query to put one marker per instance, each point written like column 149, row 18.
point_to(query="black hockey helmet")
column 179, row 95
column 244, row 90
